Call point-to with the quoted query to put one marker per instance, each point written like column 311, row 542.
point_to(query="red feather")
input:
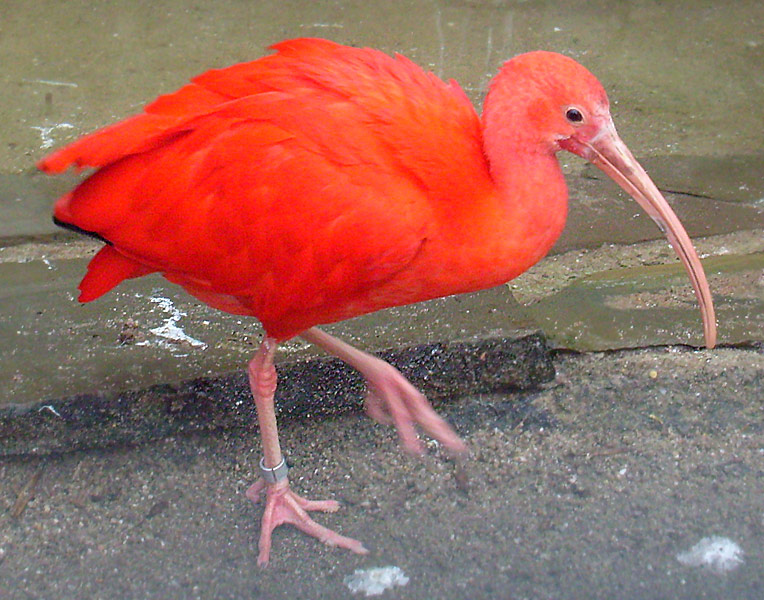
column 299, row 188
column 106, row 270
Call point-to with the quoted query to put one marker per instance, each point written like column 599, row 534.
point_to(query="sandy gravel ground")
column 588, row 488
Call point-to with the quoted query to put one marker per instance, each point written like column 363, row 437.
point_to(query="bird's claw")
column 393, row 400
column 282, row 505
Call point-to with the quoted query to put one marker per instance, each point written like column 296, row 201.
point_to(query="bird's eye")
column 574, row 115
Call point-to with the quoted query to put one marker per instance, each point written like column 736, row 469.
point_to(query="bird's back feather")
column 304, row 187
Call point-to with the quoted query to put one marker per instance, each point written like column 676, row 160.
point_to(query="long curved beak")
column 610, row 154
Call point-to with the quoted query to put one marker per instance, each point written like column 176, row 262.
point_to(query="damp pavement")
column 604, row 444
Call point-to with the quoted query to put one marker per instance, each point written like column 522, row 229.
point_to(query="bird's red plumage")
column 106, row 270
column 309, row 186
column 324, row 182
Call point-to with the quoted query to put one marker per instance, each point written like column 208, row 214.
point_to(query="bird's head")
column 545, row 99
column 544, row 102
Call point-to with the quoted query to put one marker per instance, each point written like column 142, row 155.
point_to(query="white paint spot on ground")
column 169, row 330
column 51, row 408
column 719, row 554
column 51, row 82
column 46, row 133
column 325, row 25
column 373, row 582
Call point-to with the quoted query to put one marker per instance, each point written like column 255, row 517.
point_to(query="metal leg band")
column 273, row 474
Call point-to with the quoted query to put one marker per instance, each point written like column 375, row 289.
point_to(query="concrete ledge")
column 308, row 388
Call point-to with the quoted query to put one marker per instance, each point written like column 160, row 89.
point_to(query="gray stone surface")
column 25, row 204
column 71, row 67
column 653, row 305
column 587, row 489
column 735, row 178
column 600, row 214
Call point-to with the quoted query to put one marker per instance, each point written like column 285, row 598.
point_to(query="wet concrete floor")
column 588, row 487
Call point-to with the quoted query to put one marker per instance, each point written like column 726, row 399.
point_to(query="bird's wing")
column 299, row 179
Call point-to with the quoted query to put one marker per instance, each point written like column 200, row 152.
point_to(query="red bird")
column 324, row 182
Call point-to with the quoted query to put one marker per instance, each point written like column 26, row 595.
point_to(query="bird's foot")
column 393, row 400
column 282, row 505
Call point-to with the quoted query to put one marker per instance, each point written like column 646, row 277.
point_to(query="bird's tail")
column 107, row 269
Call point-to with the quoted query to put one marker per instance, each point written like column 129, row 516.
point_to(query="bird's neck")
column 523, row 167
column 533, row 200
column 516, row 225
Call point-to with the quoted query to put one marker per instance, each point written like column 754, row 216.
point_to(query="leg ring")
column 273, row 474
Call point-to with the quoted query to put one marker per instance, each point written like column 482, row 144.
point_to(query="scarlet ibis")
column 323, row 182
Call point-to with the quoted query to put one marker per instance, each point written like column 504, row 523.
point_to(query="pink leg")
column 391, row 399
column 282, row 505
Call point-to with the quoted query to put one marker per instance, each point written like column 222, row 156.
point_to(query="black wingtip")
column 76, row 229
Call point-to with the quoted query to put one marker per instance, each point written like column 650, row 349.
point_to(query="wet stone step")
column 601, row 213
column 26, row 201
column 148, row 360
column 654, row 305
column 736, row 178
